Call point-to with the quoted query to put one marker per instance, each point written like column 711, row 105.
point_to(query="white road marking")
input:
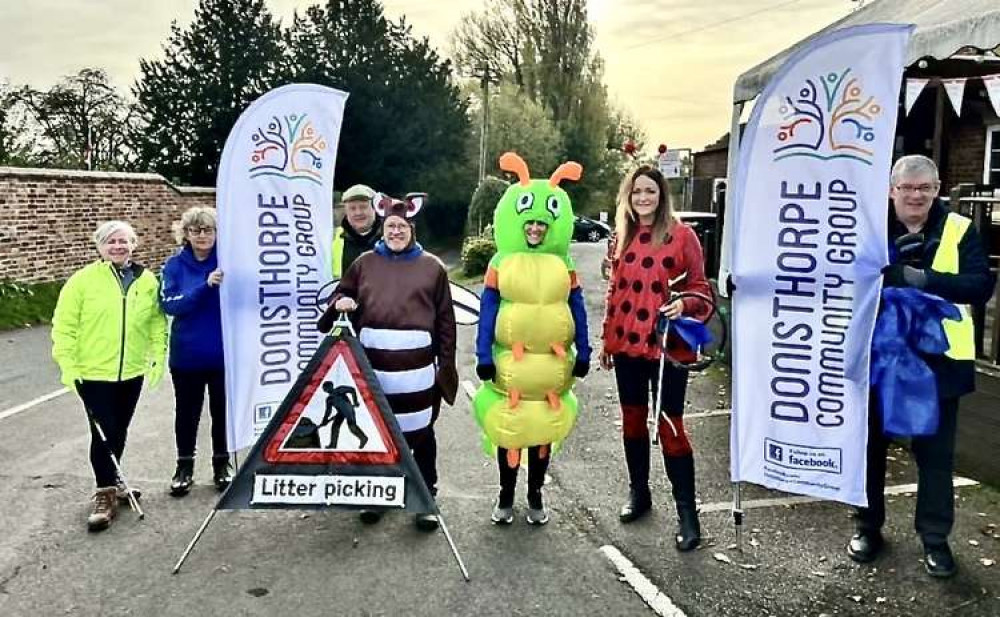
column 13, row 411
column 900, row 489
column 659, row 602
column 708, row 414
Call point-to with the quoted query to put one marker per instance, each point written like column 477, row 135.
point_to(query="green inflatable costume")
column 533, row 325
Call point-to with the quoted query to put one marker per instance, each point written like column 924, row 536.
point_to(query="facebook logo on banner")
column 775, row 453
column 262, row 416
column 803, row 458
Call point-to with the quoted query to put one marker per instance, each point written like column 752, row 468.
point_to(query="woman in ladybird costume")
column 652, row 254
column 532, row 339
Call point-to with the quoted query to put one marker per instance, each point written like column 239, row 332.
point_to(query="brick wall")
column 966, row 153
column 47, row 218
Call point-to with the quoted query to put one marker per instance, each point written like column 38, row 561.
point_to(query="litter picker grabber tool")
column 132, row 501
column 451, row 545
column 662, row 326
column 697, row 334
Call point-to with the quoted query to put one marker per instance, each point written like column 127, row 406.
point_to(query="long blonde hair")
column 626, row 221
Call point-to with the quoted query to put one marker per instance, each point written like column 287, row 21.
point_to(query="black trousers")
column 637, row 378
column 112, row 405
column 935, row 455
column 423, row 445
column 189, row 398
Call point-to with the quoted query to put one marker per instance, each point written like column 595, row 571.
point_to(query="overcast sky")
column 672, row 63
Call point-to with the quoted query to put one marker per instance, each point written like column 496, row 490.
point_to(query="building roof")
column 942, row 28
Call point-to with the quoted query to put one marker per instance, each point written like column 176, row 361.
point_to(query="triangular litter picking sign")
column 334, row 442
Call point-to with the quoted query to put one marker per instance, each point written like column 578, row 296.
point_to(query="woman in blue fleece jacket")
column 190, row 294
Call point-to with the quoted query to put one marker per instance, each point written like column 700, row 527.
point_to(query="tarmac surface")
column 327, row 562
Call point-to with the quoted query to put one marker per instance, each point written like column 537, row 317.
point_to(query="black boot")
column 183, row 478
column 639, row 500
column 220, row 472
column 680, row 470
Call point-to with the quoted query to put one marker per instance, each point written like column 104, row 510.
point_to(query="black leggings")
column 112, row 405
column 637, row 378
column 423, row 445
column 189, row 398
column 537, row 466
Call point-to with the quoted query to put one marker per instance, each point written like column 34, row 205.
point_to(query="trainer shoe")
column 105, row 509
column 502, row 515
column 536, row 514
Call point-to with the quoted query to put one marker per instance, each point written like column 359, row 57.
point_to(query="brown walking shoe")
column 105, row 509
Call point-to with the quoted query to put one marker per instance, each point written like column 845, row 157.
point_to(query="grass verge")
column 27, row 304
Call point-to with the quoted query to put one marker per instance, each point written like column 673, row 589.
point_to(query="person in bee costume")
column 532, row 340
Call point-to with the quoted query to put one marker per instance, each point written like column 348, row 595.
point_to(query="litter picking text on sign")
column 294, row 489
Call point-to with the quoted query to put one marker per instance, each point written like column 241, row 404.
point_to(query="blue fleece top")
column 411, row 252
column 196, row 331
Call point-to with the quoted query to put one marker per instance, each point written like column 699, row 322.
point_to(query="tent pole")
column 727, row 225
column 724, row 272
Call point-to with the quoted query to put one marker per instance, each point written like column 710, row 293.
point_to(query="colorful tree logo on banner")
column 289, row 149
column 831, row 121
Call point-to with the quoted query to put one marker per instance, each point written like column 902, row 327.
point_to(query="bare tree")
column 80, row 122
column 492, row 42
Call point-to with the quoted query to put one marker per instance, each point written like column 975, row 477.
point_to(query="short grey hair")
column 109, row 228
column 913, row 165
column 204, row 216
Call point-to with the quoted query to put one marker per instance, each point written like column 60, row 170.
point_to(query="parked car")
column 588, row 230
column 705, row 226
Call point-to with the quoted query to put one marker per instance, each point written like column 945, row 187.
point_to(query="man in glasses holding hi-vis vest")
column 940, row 253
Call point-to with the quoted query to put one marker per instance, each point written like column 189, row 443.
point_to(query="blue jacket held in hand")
column 196, row 331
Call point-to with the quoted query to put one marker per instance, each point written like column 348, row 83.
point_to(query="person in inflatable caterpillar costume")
column 532, row 315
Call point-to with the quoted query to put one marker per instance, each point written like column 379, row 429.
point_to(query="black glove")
column 898, row 275
column 486, row 372
column 580, row 369
column 911, row 249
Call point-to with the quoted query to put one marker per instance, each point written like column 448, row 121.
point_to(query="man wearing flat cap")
column 358, row 232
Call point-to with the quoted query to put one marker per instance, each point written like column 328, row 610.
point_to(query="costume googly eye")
column 552, row 205
column 524, row 202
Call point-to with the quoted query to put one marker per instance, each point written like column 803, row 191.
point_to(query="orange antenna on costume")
column 512, row 162
column 567, row 171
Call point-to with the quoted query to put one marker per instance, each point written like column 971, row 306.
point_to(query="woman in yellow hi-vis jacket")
column 108, row 332
column 941, row 253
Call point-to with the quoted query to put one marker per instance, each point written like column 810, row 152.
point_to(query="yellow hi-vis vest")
column 338, row 252
column 961, row 334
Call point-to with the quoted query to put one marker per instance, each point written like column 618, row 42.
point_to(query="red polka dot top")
column 640, row 283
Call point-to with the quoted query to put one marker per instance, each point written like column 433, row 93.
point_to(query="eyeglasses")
column 201, row 231
column 925, row 189
column 397, row 226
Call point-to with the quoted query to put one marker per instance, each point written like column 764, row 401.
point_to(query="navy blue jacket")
column 196, row 331
column 973, row 285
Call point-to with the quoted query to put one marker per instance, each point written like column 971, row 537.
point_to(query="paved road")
column 327, row 563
